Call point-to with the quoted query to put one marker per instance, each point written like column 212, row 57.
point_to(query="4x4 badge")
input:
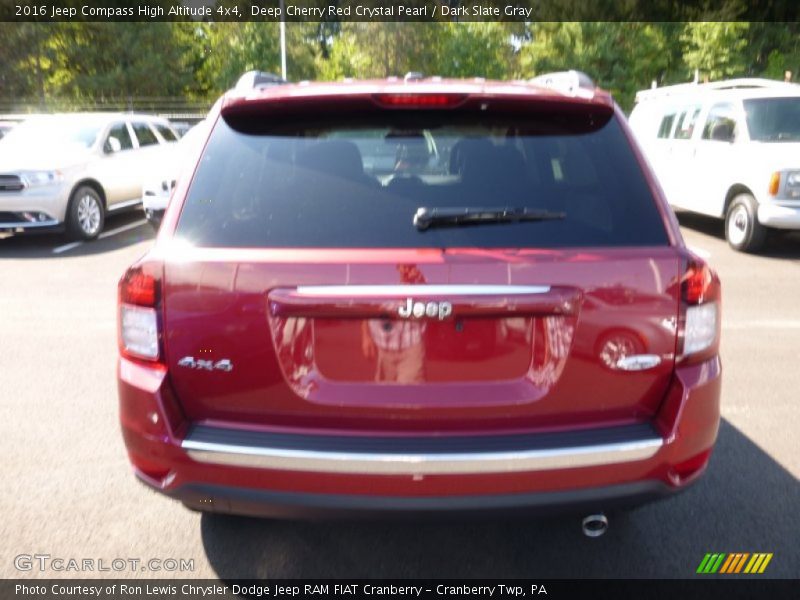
column 206, row 365
column 442, row 310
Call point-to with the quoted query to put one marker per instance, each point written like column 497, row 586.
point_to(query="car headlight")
column 40, row 178
column 793, row 179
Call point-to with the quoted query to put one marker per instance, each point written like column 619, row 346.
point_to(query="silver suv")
column 70, row 170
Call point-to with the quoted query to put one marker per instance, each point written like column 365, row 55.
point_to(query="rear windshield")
column 773, row 119
column 357, row 183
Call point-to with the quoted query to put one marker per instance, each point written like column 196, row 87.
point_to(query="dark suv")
column 421, row 296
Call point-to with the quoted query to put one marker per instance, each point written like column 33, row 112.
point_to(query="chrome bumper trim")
column 29, row 224
column 421, row 290
column 461, row 463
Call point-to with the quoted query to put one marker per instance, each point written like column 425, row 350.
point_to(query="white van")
column 729, row 149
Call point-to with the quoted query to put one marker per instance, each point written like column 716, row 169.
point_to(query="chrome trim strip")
column 126, row 204
column 350, row 291
column 638, row 362
column 29, row 224
column 422, row 464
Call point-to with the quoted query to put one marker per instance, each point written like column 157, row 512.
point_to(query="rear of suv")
column 423, row 296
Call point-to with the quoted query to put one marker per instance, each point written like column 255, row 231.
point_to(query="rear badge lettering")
column 200, row 364
column 417, row 310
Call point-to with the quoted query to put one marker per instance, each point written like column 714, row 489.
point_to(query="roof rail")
column 257, row 80
column 747, row 82
column 727, row 84
column 413, row 76
column 571, row 83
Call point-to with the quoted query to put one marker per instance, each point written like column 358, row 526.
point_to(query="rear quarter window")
column 166, row 133
column 358, row 182
column 144, row 134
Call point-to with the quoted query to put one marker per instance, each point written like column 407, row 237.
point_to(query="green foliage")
column 25, row 61
column 716, row 50
column 366, row 50
column 113, row 60
column 370, row 50
column 621, row 57
column 477, row 50
column 235, row 48
column 47, row 64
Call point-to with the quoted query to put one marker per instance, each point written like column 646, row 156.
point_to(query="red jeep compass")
column 418, row 296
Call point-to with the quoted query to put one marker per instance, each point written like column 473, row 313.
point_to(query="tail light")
column 139, row 297
column 700, row 322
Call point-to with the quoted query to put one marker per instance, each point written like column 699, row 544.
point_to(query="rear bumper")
column 279, row 474
column 264, row 503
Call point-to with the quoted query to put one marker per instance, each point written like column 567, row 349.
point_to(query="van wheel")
column 86, row 216
column 742, row 229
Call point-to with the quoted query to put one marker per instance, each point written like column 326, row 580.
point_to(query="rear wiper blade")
column 463, row 215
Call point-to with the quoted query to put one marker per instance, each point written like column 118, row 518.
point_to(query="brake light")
column 138, row 315
column 420, row 100
column 700, row 293
column 774, row 184
column 138, row 287
column 696, row 283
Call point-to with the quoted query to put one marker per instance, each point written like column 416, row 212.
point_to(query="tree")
column 25, row 62
column 620, row 57
column 116, row 61
column 716, row 50
column 477, row 50
column 235, row 48
column 367, row 50
column 381, row 49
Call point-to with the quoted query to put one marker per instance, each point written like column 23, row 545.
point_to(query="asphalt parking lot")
column 69, row 491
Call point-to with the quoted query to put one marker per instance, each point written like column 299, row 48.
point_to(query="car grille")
column 10, row 183
column 10, row 217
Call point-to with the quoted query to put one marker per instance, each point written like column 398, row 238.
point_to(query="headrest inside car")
column 340, row 158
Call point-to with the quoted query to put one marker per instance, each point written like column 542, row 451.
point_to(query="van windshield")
column 773, row 119
column 360, row 182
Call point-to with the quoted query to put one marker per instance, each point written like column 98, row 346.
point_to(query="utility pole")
column 283, row 40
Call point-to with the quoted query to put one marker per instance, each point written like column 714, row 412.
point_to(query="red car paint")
column 308, row 364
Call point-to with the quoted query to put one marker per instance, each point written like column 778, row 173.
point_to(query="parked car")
column 70, row 170
column 523, row 329
column 158, row 187
column 729, row 149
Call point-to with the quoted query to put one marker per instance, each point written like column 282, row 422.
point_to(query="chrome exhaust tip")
column 594, row 525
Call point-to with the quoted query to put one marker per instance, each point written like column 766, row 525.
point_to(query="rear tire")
column 86, row 214
column 742, row 229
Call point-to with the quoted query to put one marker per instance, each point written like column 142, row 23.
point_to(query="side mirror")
column 113, row 145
